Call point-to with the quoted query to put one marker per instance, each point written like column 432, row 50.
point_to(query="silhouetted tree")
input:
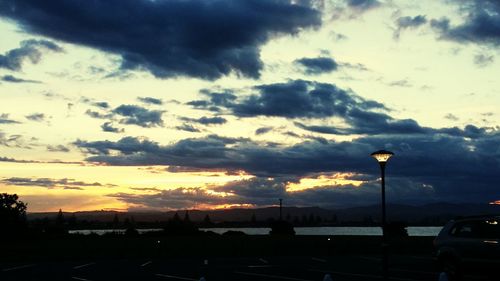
column 207, row 221
column 60, row 219
column 318, row 220
column 186, row 217
column 334, row 218
column 116, row 221
column 281, row 228
column 176, row 217
column 253, row 219
column 12, row 214
column 303, row 220
column 176, row 226
column 72, row 221
column 310, row 220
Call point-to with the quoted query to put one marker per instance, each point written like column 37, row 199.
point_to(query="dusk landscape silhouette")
column 249, row 140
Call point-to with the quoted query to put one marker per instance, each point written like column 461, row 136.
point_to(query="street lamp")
column 382, row 156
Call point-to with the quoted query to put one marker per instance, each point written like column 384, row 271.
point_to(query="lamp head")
column 382, row 155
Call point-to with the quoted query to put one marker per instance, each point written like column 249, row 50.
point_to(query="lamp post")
column 382, row 156
column 281, row 209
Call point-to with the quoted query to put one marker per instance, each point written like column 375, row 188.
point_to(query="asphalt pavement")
column 300, row 268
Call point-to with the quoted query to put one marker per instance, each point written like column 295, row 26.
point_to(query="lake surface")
column 333, row 230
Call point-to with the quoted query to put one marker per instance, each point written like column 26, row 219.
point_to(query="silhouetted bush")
column 396, row 229
column 131, row 231
column 234, row 233
column 282, row 228
column 176, row 226
column 12, row 215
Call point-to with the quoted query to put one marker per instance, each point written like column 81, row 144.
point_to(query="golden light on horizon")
column 337, row 179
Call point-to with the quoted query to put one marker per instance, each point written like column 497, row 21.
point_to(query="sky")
column 191, row 104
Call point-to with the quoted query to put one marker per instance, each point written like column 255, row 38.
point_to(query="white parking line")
column 146, row 263
column 175, row 277
column 18, row 267
column 81, row 279
column 271, row 276
column 363, row 275
column 318, row 259
column 83, row 265
column 263, row 261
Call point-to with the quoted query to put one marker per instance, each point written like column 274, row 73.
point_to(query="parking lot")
column 346, row 268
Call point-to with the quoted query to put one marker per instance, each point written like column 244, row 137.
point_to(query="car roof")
column 476, row 218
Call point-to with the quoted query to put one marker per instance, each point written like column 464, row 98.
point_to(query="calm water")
column 334, row 230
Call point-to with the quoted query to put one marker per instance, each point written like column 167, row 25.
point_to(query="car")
column 469, row 245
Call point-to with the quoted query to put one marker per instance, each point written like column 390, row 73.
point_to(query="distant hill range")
column 430, row 214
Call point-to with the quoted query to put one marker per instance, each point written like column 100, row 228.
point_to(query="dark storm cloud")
column 37, row 117
column 293, row 99
column 456, row 166
column 408, row 22
column 30, row 50
column 205, row 39
column 108, row 127
column 13, row 79
column 306, row 99
column 317, row 65
column 150, row 100
column 321, row 129
column 49, row 183
column 140, row 116
column 265, row 191
column 481, row 26
column 216, row 120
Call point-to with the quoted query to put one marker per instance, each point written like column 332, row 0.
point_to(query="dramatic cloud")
column 13, row 79
column 265, row 191
column 37, row 117
column 188, row 128
column 403, row 23
column 483, row 60
column 30, row 50
column 12, row 141
column 481, row 26
column 206, row 120
column 317, row 65
column 263, row 130
column 293, row 99
column 98, row 115
column 164, row 37
column 4, row 119
column 140, row 116
column 179, row 198
column 149, row 100
column 108, row 127
column 305, row 99
column 49, row 183
column 363, row 5
column 57, row 148
column 460, row 164
column 101, row 104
